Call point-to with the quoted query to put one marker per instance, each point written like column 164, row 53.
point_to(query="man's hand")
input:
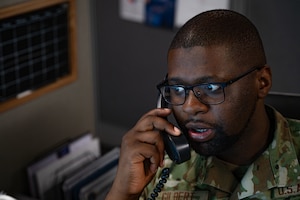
column 142, row 152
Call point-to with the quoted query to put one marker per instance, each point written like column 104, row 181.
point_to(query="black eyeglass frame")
column 188, row 88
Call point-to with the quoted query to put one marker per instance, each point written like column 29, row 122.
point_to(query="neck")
column 252, row 143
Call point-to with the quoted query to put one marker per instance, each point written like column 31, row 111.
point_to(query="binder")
column 89, row 174
column 46, row 172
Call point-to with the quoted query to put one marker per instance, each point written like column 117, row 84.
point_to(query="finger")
column 161, row 112
column 152, row 160
column 156, row 119
column 157, row 141
column 142, row 152
column 138, row 139
column 151, row 137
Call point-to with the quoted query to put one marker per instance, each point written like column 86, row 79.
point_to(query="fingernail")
column 177, row 130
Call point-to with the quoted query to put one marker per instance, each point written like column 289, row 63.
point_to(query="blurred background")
column 119, row 62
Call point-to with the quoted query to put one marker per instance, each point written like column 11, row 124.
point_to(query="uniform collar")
column 278, row 166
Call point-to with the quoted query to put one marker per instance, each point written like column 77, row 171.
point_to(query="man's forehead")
column 202, row 63
column 198, row 56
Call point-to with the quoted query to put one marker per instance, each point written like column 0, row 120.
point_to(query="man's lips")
column 201, row 134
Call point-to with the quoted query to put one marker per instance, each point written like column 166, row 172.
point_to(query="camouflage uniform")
column 273, row 175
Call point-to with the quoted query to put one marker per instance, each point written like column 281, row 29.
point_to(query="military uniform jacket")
column 275, row 174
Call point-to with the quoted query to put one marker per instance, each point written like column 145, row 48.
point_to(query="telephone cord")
column 163, row 179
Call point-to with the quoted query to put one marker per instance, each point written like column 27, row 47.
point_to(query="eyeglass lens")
column 206, row 93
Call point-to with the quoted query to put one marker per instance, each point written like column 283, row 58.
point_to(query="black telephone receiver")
column 177, row 147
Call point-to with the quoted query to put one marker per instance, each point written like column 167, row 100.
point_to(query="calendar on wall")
column 37, row 49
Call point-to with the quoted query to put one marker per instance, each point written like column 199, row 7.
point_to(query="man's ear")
column 264, row 81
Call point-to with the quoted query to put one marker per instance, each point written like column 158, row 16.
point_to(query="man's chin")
column 205, row 149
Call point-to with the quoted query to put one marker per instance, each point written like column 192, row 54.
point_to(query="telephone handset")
column 177, row 147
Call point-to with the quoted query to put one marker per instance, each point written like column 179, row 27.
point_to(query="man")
column 216, row 84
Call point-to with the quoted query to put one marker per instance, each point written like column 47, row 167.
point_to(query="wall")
column 277, row 22
column 28, row 130
column 131, row 60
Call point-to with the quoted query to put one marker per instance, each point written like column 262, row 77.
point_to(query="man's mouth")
column 201, row 134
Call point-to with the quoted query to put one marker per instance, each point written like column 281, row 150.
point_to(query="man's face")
column 212, row 129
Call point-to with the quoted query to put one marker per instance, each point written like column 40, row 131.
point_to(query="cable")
column 163, row 179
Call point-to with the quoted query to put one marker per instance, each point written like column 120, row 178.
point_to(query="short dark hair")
column 223, row 27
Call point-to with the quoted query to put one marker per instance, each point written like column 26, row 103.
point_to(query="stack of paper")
column 75, row 170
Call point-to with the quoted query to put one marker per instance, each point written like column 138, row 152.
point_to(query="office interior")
column 119, row 63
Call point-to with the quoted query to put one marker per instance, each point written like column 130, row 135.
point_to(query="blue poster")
column 160, row 13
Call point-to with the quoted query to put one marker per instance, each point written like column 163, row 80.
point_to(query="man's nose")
column 193, row 104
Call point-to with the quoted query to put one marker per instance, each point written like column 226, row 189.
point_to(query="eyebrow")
column 204, row 79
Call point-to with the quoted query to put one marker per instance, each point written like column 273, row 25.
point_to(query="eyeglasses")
column 207, row 93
